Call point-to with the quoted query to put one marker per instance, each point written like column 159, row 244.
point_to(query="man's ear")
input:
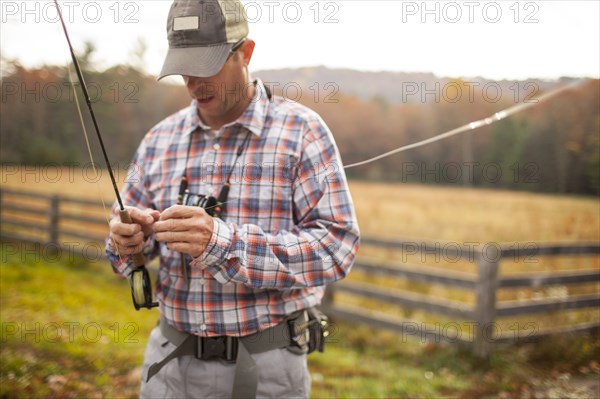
column 248, row 50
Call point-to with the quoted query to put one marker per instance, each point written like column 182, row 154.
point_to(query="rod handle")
column 138, row 259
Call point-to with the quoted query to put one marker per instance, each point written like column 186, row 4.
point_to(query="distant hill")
column 402, row 87
column 364, row 85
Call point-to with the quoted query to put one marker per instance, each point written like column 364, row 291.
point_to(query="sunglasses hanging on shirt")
column 213, row 206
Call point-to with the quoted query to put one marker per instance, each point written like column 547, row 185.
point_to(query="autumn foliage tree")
column 552, row 147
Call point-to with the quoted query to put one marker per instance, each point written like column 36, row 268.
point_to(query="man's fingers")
column 124, row 229
column 180, row 212
column 129, row 237
column 130, row 250
column 128, row 241
column 143, row 217
column 128, row 245
column 171, row 225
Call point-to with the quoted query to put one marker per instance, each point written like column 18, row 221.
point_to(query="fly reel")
column 141, row 289
column 210, row 204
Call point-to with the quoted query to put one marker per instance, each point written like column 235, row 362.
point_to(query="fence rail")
column 484, row 285
column 50, row 219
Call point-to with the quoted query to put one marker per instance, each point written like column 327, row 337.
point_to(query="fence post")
column 53, row 231
column 485, row 306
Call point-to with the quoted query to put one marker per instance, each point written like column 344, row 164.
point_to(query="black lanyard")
column 214, row 206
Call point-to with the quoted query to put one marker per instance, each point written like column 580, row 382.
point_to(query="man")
column 265, row 224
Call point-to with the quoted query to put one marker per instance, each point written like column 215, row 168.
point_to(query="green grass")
column 68, row 326
column 69, row 330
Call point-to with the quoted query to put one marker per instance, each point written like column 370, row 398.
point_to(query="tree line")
column 552, row 147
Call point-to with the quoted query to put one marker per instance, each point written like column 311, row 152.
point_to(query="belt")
column 234, row 349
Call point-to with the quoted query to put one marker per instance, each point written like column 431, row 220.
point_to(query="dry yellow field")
column 459, row 214
column 393, row 210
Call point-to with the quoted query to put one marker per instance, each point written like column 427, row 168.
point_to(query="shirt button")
column 203, row 327
column 202, row 281
column 216, row 146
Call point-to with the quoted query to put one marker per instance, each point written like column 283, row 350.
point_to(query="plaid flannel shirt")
column 288, row 228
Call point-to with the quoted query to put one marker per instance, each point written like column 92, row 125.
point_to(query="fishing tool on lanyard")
column 141, row 287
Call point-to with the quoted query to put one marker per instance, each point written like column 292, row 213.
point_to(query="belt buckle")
column 217, row 348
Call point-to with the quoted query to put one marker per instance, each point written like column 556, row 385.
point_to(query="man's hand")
column 129, row 238
column 185, row 229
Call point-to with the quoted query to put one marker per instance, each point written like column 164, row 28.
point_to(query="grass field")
column 69, row 329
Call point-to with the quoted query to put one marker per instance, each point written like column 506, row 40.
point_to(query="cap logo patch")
column 186, row 23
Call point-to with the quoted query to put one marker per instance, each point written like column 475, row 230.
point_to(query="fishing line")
column 87, row 143
column 498, row 116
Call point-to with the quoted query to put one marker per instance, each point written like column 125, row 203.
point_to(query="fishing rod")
column 141, row 287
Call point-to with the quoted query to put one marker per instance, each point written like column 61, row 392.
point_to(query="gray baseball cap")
column 201, row 34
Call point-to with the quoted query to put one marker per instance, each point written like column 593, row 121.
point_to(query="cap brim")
column 195, row 61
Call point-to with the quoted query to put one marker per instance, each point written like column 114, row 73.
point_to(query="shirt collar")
column 253, row 118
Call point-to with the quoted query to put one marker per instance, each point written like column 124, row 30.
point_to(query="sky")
column 493, row 39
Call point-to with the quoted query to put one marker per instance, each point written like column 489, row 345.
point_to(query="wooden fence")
column 55, row 220
column 484, row 284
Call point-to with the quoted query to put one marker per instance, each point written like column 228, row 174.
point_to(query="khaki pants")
column 281, row 374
